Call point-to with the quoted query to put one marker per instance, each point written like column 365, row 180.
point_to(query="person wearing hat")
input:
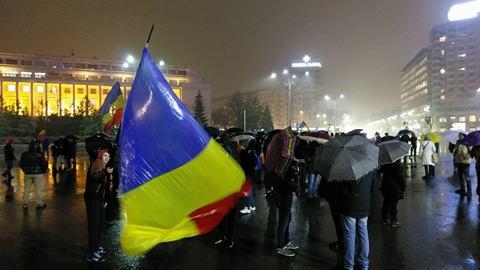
column 34, row 166
column 95, row 188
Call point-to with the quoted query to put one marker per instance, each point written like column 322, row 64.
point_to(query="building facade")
column 440, row 85
column 304, row 82
column 40, row 85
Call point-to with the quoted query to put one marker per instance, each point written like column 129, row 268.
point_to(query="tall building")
column 441, row 84
column 304, row 82
column 42, row 85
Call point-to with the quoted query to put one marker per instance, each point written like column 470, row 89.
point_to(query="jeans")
column 96, row 223
column 38, row 180
column 463, row 172
column 284, row 204
column 313, row 180
column 251, row 197
column 355, row 227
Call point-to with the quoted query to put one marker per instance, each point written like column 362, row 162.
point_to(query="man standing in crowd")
column 462, row 159
column 34, row 166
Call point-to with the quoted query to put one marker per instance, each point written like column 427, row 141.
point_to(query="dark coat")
column 393, row 183
column 355, row 197
column 95, row 186
column 33, row 162
column 8, row 153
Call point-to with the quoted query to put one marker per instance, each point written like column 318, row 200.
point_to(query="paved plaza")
column 439, row 231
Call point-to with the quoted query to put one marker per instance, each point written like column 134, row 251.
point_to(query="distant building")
column 42, row 85
column 441, row 84
column 307, row 93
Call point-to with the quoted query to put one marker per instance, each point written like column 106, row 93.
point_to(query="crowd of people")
column 280, row 161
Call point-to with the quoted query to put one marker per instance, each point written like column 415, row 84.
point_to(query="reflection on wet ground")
column 439, row 231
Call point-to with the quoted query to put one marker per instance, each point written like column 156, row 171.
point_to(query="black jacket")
column 95, row 186
column 32, row 162
column 393, row 183
column 355, row 197
column 8, row 153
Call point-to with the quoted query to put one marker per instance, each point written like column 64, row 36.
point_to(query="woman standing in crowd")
column 95, row 203
column 393, row 186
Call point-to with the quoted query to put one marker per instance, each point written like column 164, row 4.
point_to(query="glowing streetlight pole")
column 334, row 102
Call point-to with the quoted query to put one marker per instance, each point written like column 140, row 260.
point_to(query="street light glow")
column 342, row 96
column 285, row 71
column 464, row 11
column 294, row 76
column 125, row 65
column 306, row 58
column 301, row 112
column 162, row 63
column 318, row 115
column 307, row 73
column 130, row 59
column 326, row 97
column 273, row 75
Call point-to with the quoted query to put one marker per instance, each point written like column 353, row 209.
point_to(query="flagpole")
column 149, row 35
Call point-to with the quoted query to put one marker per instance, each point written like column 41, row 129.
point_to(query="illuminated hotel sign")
column 464, row 11
column 306, row 63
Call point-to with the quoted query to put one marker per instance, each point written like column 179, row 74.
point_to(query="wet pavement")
column 439, row 231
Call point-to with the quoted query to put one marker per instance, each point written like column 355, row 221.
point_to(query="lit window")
column 442, row 38
column 442, row 119
column 442, row 71
column 9, row 74
column 24, row 74
column 11, row 88
column 462, row 69
column 452, row 118
column 54, row 90
column 40, row 89
column 442, row 91
column 463, row 55
column 93, row 91
column 442, row 52
column 26, row 88
column 472, row 118
column 462, row 118
column 39, row 75
column 442, row 97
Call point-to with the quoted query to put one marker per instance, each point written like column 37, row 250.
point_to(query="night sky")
column 363, row 44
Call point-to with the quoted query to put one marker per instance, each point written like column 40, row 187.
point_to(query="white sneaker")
column 291, row 246
column 253, row 208
column 245, row 210
column 285, row 252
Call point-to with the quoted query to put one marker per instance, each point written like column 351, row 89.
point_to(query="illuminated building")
column 42, row 85
column 441, row 84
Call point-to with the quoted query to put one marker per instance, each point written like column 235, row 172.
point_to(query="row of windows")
column 471, row 118
column 67, row 65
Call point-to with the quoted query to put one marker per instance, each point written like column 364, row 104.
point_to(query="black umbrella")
column 233, row 130
column 404, row 131
column 97, row 142
column 391, row 151
column 213, row 131
column 346, row 158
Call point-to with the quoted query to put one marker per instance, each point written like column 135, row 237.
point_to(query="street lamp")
column 289, row 82
column 125, row 64
column 162, row 63
column 334, row 102
column 130, row 59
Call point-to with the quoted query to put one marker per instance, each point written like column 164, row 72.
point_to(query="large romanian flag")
column 176, row 181
column 114, row 99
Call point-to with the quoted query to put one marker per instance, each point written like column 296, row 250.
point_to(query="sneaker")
column 285, row 252
column 245, row 210
column 219, row 241
column 291, row 246
column 95, row 258
column 229, row 245
column 395, row 224
column 101, row 251
column 25, row 206
column 253, row 208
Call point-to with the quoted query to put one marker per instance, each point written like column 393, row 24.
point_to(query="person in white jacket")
column 428, row 149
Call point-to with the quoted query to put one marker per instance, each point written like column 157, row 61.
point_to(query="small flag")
column 176, row 181
column 114, row 99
